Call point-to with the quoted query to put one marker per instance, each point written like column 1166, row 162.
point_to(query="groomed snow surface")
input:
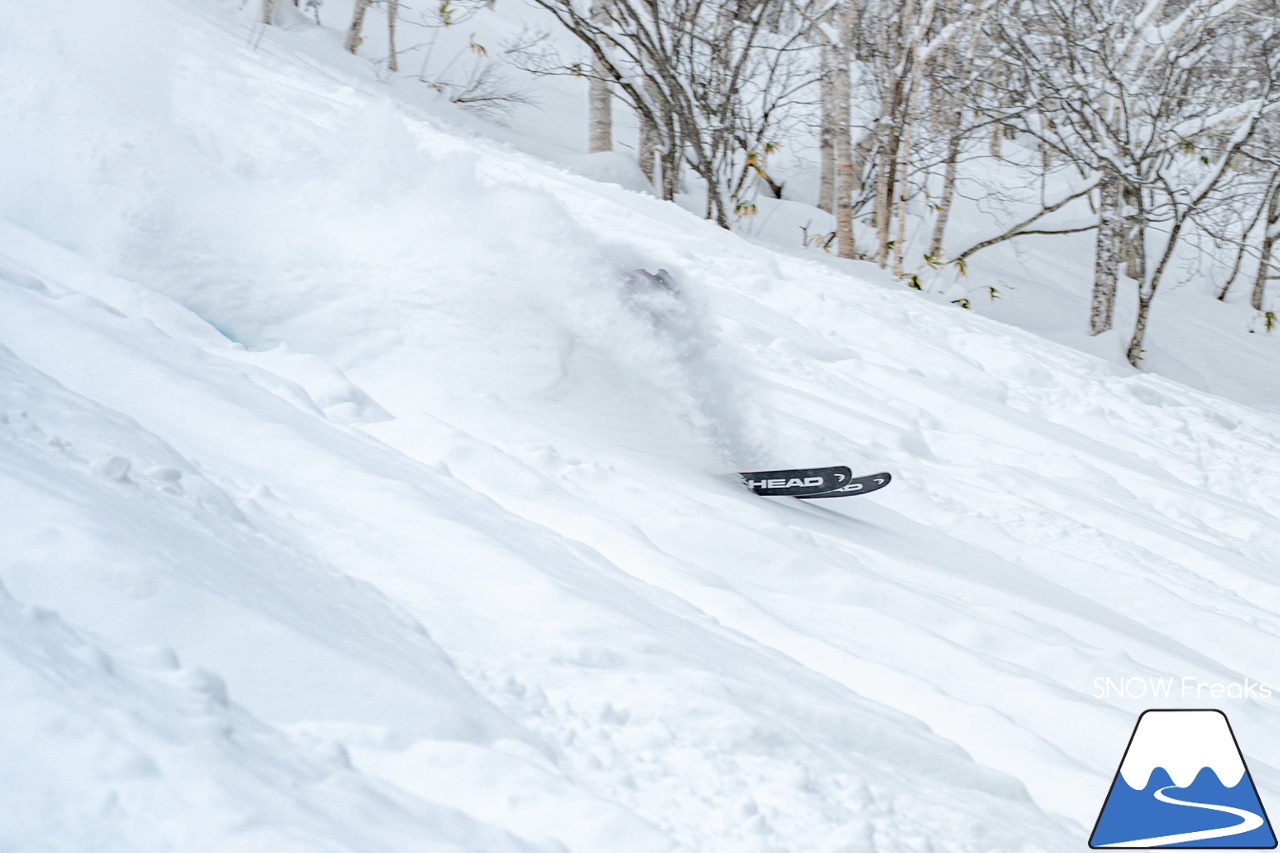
column 350, row 501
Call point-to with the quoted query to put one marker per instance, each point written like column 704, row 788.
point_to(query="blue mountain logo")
column 1183, row 783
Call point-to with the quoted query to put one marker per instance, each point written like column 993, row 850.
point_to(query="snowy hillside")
column 351, row 501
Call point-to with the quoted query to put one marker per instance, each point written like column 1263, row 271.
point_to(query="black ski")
column 797, row 482
column 856, row 486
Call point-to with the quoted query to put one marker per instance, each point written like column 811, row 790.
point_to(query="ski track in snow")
column 334, row 521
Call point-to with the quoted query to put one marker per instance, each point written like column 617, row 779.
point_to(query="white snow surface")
column 349, row 501
column 1183, row 742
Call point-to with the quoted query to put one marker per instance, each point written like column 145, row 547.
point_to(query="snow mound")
column 136, row 752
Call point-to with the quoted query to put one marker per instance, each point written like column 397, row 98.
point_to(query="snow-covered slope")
column 351, row 501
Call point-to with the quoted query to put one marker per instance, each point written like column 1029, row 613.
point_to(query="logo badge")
column 1182, row 783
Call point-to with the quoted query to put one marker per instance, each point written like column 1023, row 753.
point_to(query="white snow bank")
column 132, row 751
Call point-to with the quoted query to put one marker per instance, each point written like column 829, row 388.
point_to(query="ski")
column 856, row 486
column 797, row 482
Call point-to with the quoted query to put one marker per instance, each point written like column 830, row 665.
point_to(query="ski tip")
column 857, row 486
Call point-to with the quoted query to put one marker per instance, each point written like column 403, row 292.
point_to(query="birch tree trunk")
column 268, row 9
column 1107, row 257
column 884, row 188
column 393, row 12
column 600, row 120
column 1135, row 351
column 1133, row 240
column 884, row 147
column 903, row 187
column 861, row 154
column 1268, row 243
column 599, row 105
column 948, row 193
column 670, row 160
column 901, row 177
column 949, row 118
column 827, row 134
column 1147, row 287
column 352, row 43
column 842, row 148
column 648, row 147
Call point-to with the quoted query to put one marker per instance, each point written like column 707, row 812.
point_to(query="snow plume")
column 648, row 334
column 83, row 99
column 352, row 230
column 328, row 229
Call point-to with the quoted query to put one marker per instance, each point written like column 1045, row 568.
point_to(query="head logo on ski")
column 834, row 482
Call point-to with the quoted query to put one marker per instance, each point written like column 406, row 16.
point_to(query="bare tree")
column 1137, row 94
column 835, row 29
column 1134, row 118
column 1246, row 221
column 1270, row 233
column 901, row 47
column 693, row 73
